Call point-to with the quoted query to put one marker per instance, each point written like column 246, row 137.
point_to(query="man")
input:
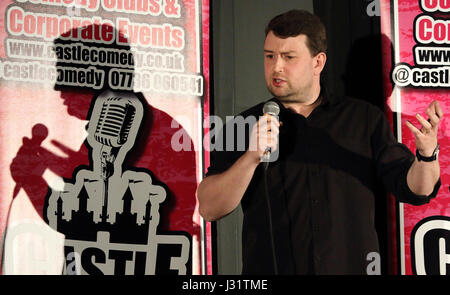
column 334, row 155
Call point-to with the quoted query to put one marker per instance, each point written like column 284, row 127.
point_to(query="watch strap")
column 431, row 158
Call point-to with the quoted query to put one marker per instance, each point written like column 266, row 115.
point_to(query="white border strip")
column 199, row 35
column 198, row 50
column 398, row 110
column 203, row 240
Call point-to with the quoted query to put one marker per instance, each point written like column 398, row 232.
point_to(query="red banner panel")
column 416, row 52
column 102, row 109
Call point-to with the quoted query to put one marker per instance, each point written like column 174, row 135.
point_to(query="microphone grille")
column 271, row 108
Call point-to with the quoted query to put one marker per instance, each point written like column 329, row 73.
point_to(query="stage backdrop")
column 102, row 109
column 416, row 53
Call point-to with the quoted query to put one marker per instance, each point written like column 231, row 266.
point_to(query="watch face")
column 436, row 151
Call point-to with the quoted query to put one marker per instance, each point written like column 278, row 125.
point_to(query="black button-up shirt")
column 330, row 169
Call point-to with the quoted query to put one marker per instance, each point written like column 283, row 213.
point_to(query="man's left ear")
column 320, row 60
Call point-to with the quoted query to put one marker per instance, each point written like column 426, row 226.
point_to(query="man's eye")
column 269, row 56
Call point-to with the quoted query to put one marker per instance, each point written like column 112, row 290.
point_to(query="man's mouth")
column 277, row 82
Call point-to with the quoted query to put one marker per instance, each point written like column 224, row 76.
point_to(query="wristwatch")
column 432, row 158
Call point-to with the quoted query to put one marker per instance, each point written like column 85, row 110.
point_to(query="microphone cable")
column 269, row 211
column 273, row 109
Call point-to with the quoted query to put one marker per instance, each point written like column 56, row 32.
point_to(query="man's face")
column 290, row 71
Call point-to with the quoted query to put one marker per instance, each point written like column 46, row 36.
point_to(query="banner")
column 102, row 109
column 416, row 56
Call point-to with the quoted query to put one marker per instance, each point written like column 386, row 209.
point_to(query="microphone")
column 112, row 129
column 272, row 109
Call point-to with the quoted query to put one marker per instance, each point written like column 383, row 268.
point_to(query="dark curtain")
column 354, row 68
column 354, row 49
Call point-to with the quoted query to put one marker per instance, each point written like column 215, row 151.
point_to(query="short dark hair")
column 297, row 22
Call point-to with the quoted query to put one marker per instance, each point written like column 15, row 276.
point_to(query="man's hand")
column 264, row 135
column 221, row 193
column 422, row 176
column 426, row 137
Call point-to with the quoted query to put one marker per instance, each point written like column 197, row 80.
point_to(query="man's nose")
column 278, row 65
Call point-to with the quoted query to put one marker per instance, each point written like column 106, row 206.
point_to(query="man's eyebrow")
column 285, row 52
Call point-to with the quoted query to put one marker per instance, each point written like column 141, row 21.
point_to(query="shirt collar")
column 327, row 100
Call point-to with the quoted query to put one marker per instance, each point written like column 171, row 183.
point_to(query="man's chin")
column 277, row 93
column 283, row 96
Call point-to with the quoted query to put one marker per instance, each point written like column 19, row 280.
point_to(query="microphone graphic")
column 112, row 130
column 113, row 126
column 272, row 109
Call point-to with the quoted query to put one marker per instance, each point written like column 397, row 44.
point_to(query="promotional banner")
column 102, row 109
column 416, row 54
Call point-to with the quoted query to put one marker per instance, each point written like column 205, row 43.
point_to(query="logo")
column 430, row 246
column 109, row 216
